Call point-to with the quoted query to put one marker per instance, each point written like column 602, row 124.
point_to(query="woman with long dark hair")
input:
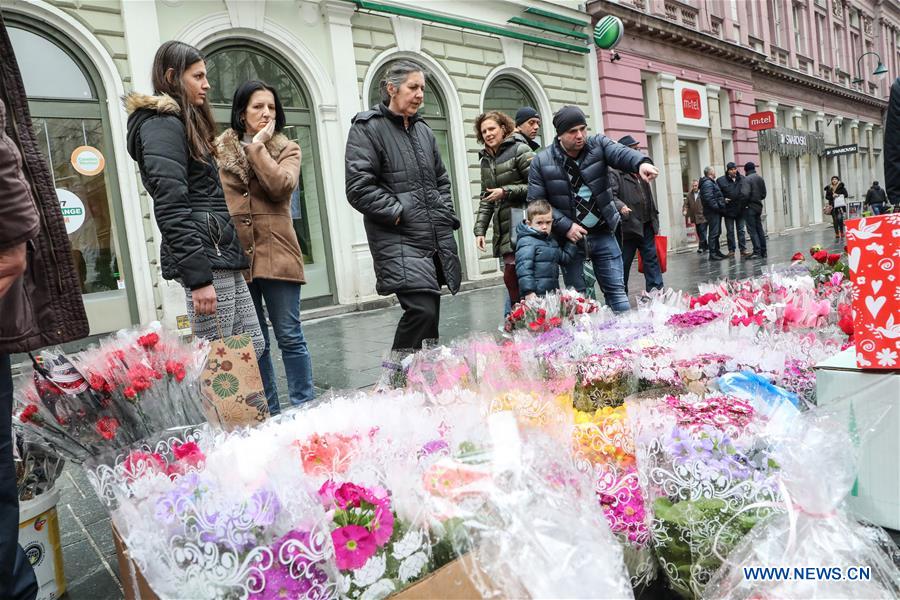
column 260, row 168
column 170, row 136
column 505, row 162
column 395, row 177
column 837, row 212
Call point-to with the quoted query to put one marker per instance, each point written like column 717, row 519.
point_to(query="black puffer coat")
column 538, row 258
column 188, row 202
column 396, row 173
column 548, row 179
column 892, row 146
column 734, row 196
column 508, row 169
column 712, row 199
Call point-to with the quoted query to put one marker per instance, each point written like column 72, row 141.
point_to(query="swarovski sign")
column 791, row 142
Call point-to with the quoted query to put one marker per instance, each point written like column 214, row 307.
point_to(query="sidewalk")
column 347, row 351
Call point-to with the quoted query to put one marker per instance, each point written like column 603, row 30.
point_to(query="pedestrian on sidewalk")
column 505, row 162
column 836, row 198
column 396, row 179
column 892, row 146
column 171, row 136
column 640, row 220
column 260, row 168
column 693, row 210
column 40, row 294
column 876, row 199
column 572, row 175
column 528, row 126
column 713, row 208
column 730, row 183
column 538, row 253
column 754, row 193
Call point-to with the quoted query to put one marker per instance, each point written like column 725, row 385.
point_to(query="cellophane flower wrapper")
column 543, row 313
column 817, row 469
column 528, row 524
column 131, row 386
column 701, row 461
column 37, row 465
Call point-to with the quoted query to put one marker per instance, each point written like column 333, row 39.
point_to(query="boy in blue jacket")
column 538, row 253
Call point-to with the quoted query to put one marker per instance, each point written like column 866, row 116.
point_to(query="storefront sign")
column 841, row 150
column 791, row 142
column 762, row 120
column 691, row 104
column 72, row 210
column 87, row 160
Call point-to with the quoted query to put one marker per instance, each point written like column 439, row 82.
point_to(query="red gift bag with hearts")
column 873, row 250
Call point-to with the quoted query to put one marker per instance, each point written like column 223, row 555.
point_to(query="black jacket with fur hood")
column 189, row 204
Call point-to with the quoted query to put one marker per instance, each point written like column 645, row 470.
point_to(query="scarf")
column 587, row 210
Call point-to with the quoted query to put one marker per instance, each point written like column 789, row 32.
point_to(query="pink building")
column 688, row 74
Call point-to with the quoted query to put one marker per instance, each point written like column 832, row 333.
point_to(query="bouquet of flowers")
column 705, row 471
column 133, row 385
column 542, row 313
column 605, row 379
column 37, row 467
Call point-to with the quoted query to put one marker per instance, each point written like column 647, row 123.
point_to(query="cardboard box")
column 876, row 494
column 133, row 582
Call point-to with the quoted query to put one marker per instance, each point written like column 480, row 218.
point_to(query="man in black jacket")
column 572, row 175
column 875, row 198
column 754, row 191
column 640, row 221
column 730, row 184
column 528, row 126
column 892, row 146
column 713, row 207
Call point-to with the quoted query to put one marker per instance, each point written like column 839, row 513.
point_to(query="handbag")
column 516, row 216
column 840, row 201
column 662, row 246
column 827, row 209
column 231, row 382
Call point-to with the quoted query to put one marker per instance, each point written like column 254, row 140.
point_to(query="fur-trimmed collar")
column 231, row 156
column 163, row 103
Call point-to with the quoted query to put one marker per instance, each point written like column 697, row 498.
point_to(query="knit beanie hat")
column 568, row 117
column 525, row 113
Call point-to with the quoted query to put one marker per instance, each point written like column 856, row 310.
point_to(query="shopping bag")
column 840, row 201
column 232, row 384
column 662, row 248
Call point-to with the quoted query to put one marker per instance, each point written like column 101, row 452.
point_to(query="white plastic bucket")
column 39, row 536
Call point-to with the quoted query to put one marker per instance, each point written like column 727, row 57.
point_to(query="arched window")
column 507, row 95
column 70, row 122
column 230, row 64
column 435, row 113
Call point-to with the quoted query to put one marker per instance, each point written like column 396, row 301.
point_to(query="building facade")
column 688, row 74
column 79, row 57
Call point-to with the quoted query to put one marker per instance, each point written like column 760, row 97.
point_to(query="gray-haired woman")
column 396, row 179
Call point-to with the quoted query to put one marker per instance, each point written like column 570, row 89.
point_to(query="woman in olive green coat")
column 504, row 187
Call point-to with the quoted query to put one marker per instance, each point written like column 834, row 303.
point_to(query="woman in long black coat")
column 836, row 188
column 396, row 179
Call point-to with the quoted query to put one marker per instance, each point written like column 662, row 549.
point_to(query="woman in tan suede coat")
column 260, row 169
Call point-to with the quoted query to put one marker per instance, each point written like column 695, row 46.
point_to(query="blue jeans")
column 877, row 209
column 282, row 299
column 646, row 245
column 606, row 257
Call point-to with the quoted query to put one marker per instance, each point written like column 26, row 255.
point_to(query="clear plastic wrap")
column 528, row 524
column 813, row 528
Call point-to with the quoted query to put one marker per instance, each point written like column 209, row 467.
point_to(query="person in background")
column 538, row 254
column 713, row 206
column 395, row 177
column 693, row 210
column 837, row 188
column 528, row 126
column 504, row 186
column 730, row 183
column 892, row 147
column 171, row 136
column 876, row 199
column 754, row 193
column 40, row 294
column 640, row 220
column 572, row 175
column 259, row 168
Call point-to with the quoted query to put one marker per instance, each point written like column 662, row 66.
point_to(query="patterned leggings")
column 235, row 311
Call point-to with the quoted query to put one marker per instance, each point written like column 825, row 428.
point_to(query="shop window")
column 229, row 65
column 71, row 125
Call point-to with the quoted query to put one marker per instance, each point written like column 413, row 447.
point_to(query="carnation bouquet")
column 542, row 313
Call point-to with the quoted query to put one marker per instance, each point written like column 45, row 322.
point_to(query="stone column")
column 869, row 174
column 858, row 191
column 774, row 205
column 715, row 128
column 834, row 165
column 804, row 201
column 670, row 163
column 818, row 176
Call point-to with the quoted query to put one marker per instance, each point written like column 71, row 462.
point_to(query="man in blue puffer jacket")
column 572, row 175
column 538, row 254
